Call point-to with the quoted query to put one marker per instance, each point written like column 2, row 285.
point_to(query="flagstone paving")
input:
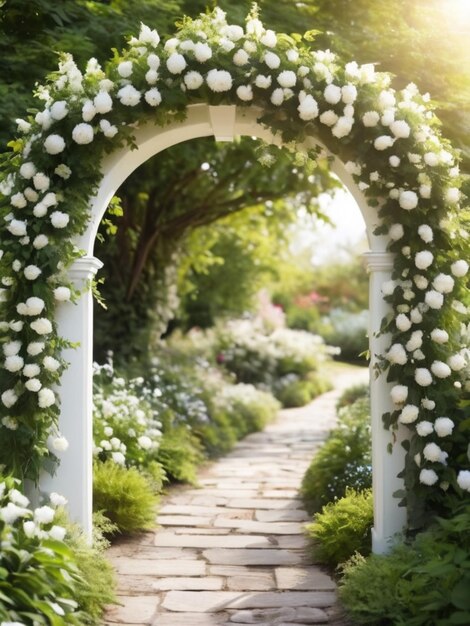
column 233, row 550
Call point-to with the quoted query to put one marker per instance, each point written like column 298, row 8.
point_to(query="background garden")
column 210, row 317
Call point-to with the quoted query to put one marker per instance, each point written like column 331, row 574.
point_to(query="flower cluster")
column 400, row 159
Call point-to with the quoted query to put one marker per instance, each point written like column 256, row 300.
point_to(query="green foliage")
column 418, row 584
column 342, row 528
column 348, row 331
column 351, row 394
column 180, row 454
column 343, row 461
column 124, row 496
column 292, row 391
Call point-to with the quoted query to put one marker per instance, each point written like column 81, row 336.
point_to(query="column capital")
column 379, row 261
column 84, row 268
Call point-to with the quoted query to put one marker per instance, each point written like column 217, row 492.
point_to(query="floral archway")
column 391, row 145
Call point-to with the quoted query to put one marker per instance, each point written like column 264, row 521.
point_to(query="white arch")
column 74, row 475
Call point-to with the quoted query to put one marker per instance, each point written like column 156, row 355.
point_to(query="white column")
column 389, row 518
column 74, row 475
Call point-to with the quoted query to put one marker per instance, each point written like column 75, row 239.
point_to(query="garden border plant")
column 389, row 141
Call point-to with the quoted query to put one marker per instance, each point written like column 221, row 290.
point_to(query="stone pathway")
column 233, row 551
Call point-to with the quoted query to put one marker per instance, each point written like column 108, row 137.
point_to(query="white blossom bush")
column 39, row 573
column 389, row 140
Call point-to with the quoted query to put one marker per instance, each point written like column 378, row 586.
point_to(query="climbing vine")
column 390, row 143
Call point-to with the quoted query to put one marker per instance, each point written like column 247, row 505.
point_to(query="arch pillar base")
column 388, row 456
column 74, row 476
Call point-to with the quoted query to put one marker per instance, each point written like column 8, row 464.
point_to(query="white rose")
column 9, row 398
column 59, row 110
column 59, row 219
column 434, row 299
column 31, row 370
column 287, row 79
column 459, row 268
column 388, row 287
column 17, row 228
column 308, row 108
column 263, row 82
column 415, row 341
column 431, row 159
column 397, row 354
column 28, row 170
column 57, row 500
column 108, row 129
column 443, row 283
column 151, row 77
column 426, row 233
column 443, row 426
column 452, row 195
column 129, row 96
column 403, row 323
column 241, row 57
column 400, row 129
column 60, row 444
column 13, row 363
column 396, row 232
column 44, row 515
column 428, row 477
column 440, row 369
column 57, row 532
column 456, row 362
column 408, row 200
column 399, row 394
column 348, row 94
column 35, row 347
column 272, row 60
column 423, row 377
column 202, row 52
column 34, row 305
column 88, row 111
column 153, row 97
column 427, row 404
column 176, row 63
column 29, row 529
column 219, row 80
column 332, row 94
column 31, row 272
column 394, row 161
column 245, row 93
column 329, row 118
column 125, row 69
column 46, row 398
column 439, row 336
column 269, row 39
column 51, row 364
column 424, row 428
column 33, row 384
column 383, row 142
column 62, row 294
column 424, row 259
column 432, row 452
column 83, row 134
column 41, row 241
column 103, row 102
column 370, row 119
column 144, row 442
column 343, row 127
column 42, row 326
column 421, row 281
column 277, row 97
column 193, row 80
column 409, row 414
column 11, row 348
column 463, row 480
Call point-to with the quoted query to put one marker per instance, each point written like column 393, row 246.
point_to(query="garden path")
column 233, row 551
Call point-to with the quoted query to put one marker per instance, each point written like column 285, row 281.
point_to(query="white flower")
column 428, row 477
column 245, row 93
column 240, row 57
column 427, row 404
column 452, row 195
column 415, row 341
column 42, row 326
column 153, row 97
column 125, row 69
column 424, row 428
column 383, row 142
column 263, row 82
column 459, row 268
column 118, row 458
column 59, row 110
column 11, row 348
column 103, row 102
column 434, row 299
column 41, row 241
column 432, row 452
column 440, row 369
column 63, row 171
column 31, row 194
column 51, row 364
column 272, row 60
column 62, row 294
column 443, row 426
column 35, row 347
column 33, row 384
column 397, row 354
column 408, row 200
column 348, row 94
column 202, row 52
column 409, row 414
column 108, row 129
column 44, row 515
column 57, row 532
column 13, row 363
column 23, row 125
column 31, row 272
column 149, row 36
column 255, row 27
column 18, row 498
column 394, row 161
column 370, row 119
column 332, row 94
column 423, row 377
column 431, row 159
column 277, row 96
column 88, row 111
column 193, row 80
column 456, row 362
column 443, row 283
column 16, row 326
column 329, row 118
column 29, row 528
column 292, row 55
column 144, row 442
column 83, row 134
column 219, row 80
column 424, row 259
column 151, row 77
column 463, row 480
column 399, row 394
column 59, row 219
column 17, row 228
column 426, row 233
column 60, row 444
column 287, row 79
column 269, row 39
column 439, row 336
column 343, row 127
column 27, row 170
column 402, row 322
column 9, row 398
column 40, row 210
column 421, row 281
column 46, row 398
column 388, row 287
column 129, row 96
column 232, row 32
column 425, row 191
column 10, row 513
column 386, row 99
column 57, row 500
column 400, row 129
column 31, row 370
column 308, row 108
column 396, row 232
column 176, row 63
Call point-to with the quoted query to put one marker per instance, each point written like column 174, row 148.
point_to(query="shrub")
column 124, row 496
column 348, row 331
column 351, row 394
column 39, row 577
column 343, row 461
column 342, row 528
column 293, row 392
column 419, row 584
column 180, row 454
